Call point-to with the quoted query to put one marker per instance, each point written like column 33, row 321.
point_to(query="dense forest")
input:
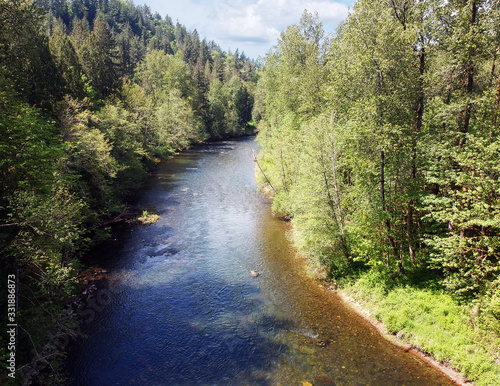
column 381, row 143
column 93, row 93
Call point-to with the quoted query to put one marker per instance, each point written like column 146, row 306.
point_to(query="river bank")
column 430, row 325
column 459, row 340
column 457, row 337
column 362, row 308
column 368, row 309
column 413, row 311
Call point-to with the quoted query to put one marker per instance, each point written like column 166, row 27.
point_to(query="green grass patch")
column 434, row 322
column 148, row 216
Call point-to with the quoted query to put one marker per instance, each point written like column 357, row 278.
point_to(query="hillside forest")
column 93, row 94
column 381, row 144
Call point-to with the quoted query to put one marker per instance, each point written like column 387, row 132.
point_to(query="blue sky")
column 252, row 26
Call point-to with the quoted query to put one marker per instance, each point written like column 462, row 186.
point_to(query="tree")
column 460, row 168
column 40, row 219
column 230, row 108
column 67, row 63
column 377, row 69
column 25, row 54
column 289, row 102
column 176, row 124
column 159, row 73
column 322, row 196
column 88, row 151
column 122, row 129
column 99, row 59
column 29, row 146
column 173, row 123
column 80, row 33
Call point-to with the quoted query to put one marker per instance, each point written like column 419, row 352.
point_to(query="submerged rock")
column 321, row 343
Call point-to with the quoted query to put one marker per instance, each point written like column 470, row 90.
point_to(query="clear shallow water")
column 180, row 307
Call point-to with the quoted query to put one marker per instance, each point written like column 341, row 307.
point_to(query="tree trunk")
column 468, row 107
column 334, row 206
column 418, row 129
column 382, row 180
column 285, row 185
column 497, row 103
column 470, row 83
column 384, row 209
column 339, row 209
column 493, row 68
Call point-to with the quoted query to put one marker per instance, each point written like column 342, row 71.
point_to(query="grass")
column 435, row 322
column 148, row 216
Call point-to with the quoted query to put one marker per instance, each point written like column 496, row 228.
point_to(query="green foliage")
column 47, row 234
column 176, row 125
column 88, row 151
column 25, row 54
column 381, row 144
column 98, row 58
column 28, row 146
column 469, row 216
column 434, row 322
column 320, row 199
column 148, row 216
column 41, row 220
column 298, row 56
column 159, row 73
column 91, row 93
column 172, row 122
column 377, row 148
column 67, row 63
column 120, row 127
column 229, row 107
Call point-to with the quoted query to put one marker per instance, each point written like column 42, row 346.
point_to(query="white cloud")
column 252, row 26
column 261, row 22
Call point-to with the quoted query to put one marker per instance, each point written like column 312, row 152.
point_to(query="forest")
column 93, row 94
column 381, row 144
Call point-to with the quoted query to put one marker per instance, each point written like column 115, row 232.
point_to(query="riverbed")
column 215, row 294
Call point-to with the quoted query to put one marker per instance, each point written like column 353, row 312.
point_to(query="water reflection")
column 184, row 308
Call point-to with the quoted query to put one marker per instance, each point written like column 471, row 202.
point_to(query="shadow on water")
column 182, row 332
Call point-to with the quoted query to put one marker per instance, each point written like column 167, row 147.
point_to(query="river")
column 179, row 305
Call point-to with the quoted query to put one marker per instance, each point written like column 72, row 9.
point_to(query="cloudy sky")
column 252, row 26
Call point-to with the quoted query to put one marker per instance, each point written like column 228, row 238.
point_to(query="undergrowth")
column 465, row 336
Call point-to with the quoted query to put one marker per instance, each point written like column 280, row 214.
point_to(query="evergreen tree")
column 98, row 57
column 67, row 63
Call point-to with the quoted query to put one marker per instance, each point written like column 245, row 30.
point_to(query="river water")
column 179, row 305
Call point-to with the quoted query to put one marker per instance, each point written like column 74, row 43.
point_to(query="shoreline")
column 452, row 374
column 319, row 280
column 315, row 273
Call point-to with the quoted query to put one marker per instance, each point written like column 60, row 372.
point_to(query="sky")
column 251, row 26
